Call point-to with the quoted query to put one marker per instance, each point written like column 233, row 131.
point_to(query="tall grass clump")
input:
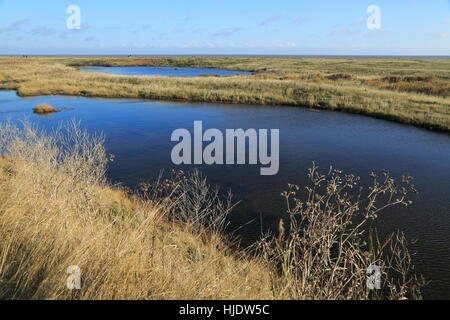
column 189, row 199
column 325, row 246
column 44, row 109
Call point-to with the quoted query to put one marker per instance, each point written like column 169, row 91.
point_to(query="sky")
column 229, row 27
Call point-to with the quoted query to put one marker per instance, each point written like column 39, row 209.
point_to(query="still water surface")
column 138, row 134
column 163, row 71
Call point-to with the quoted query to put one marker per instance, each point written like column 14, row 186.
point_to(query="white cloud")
column 343, row 32
column 273, row 18
column 226, row 32
column 443, row 34
column 13, row 26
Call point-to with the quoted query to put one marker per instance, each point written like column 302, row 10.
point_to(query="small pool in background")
column 138, row 134
column 163, row 71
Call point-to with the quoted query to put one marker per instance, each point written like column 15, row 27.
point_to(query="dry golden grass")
column 428, row 86
column 56, row 210
column 44, row 109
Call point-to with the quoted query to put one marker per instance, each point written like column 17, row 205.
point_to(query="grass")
column 428, row 85
column 57, row 210
column 4, row 162
column 44, row 109
column 419, row 96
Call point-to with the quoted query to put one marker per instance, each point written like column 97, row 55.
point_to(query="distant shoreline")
column 412, row 91
column 238, row 55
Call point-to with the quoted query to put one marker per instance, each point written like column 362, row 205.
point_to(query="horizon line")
column 228, row 55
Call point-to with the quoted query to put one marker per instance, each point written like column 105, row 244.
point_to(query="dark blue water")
column 138, row 134
column 163, row 71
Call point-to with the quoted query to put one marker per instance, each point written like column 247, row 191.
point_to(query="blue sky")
column 322, row 27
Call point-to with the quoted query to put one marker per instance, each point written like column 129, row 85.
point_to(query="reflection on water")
column 163, row 71
column 138, row 134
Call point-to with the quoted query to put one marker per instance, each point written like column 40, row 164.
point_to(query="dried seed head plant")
column 190, row 199
column 328, row 245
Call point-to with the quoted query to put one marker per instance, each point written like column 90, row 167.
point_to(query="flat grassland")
column 410, row 91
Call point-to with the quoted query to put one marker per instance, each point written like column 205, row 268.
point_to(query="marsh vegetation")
column 410, row 91
column 44, row 109
column 167, row 241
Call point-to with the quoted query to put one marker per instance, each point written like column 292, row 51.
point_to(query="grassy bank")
column 167, row 242
column 410, row 91
column 56, row 210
